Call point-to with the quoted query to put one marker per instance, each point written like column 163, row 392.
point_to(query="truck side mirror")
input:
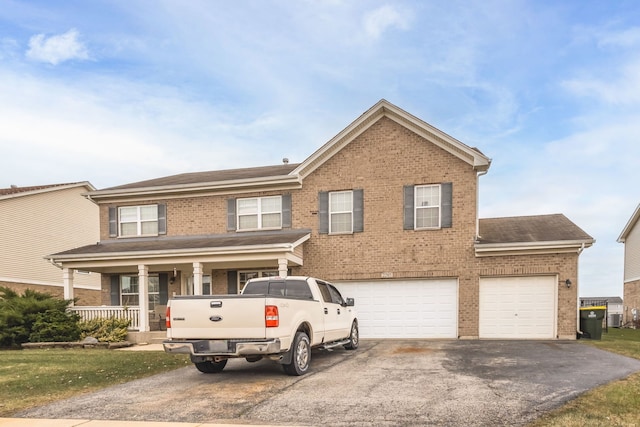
column 351, row 302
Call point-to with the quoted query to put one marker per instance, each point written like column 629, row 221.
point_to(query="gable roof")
column 15, row 191
column 290, row 175
column 384, row 108
column 630, row 225
column 540, row 233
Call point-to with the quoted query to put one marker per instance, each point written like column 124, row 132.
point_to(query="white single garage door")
column 518, row 307
column 405, row 309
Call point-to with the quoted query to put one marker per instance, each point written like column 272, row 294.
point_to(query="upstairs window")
column 132, row 221
column 259, row 213
column 341, row 212
column 138, row 220
column 428, row 206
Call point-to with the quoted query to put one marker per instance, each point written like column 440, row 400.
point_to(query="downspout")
column 484, row 172
column 580, row 249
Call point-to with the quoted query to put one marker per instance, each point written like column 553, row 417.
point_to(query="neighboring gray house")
column 630, row 236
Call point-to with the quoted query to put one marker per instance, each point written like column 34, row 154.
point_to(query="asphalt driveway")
column 382, row 383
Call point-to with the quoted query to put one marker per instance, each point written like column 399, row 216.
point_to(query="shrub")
column 18, row 314
column 105, row 330
column 55, row 326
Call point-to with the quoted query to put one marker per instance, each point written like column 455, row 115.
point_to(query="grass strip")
column 614, row 404
column 30, row 378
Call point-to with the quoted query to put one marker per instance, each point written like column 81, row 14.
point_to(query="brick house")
column 630, row 237
column 387, row 210
column 38, row 220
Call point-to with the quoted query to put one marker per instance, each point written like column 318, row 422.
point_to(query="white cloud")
column 626, row 38
column 57, row 49
column 621, row 88
column 379, row 20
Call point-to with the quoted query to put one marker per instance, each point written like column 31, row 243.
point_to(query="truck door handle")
column 326, row 310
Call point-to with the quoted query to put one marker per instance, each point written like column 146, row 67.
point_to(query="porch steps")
column 152, row 337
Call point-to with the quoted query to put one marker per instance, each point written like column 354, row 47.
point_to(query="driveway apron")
column 382, row 383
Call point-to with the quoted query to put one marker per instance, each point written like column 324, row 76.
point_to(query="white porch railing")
column 131, row 313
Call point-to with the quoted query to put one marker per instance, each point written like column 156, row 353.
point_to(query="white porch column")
column 197, row 278
column 282, row 267
column 67, row 280
column 143, row 289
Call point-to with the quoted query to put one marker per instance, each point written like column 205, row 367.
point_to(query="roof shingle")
column 530, row 229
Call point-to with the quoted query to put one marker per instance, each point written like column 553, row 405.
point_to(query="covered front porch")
column 140, row 275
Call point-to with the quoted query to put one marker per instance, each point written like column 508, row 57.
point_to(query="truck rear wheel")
column 300, row 357
column 211, row 367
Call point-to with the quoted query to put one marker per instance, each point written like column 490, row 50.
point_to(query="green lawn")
column 614, row 404
column 30, row 378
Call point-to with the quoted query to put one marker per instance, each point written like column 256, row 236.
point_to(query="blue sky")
column 114, row 92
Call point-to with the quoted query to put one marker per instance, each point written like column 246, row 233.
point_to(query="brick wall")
column 631, row 300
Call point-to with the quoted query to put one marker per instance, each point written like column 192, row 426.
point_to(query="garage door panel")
column 518, row 307
column 405, row 309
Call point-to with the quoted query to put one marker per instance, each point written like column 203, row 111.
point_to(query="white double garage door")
column 509, row 307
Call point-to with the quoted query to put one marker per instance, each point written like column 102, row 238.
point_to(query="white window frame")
column 437, row 206
column 334, row 211
column 259, row 213
column 206, row 282
column 138, row 221
column 153, row 296
column 245, row 276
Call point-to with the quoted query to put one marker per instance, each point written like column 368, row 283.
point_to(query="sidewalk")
column 30, row 422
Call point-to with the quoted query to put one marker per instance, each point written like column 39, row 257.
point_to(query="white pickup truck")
column 281, row 319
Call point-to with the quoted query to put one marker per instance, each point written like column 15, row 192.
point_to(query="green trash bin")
column 591, row 321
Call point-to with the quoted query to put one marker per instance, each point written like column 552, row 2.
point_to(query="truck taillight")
column 168, row 317
column 271, row 317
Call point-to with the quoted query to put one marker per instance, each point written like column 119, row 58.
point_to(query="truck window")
column 276, row 288
column 324, row 290
column 256, row 288
column 336, row 298
column 298, row 289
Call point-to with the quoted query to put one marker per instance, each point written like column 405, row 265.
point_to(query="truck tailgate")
column 217, row 317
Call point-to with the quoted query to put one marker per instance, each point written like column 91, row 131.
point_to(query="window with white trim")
column 341, row 212
column 207, row 289
column 245, row 276
column 130, row 290
column 427, row 206
column 138, row 220
column 259, row 213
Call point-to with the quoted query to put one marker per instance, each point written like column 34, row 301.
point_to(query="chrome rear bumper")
column 228, row 348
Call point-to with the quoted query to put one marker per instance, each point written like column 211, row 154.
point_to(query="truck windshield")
column 286, row 288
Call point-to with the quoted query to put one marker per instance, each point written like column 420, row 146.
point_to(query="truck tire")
column 300, row 357
column 211, row 367
column 354, row 337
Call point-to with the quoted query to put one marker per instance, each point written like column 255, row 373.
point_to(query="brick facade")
column 381, row 160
